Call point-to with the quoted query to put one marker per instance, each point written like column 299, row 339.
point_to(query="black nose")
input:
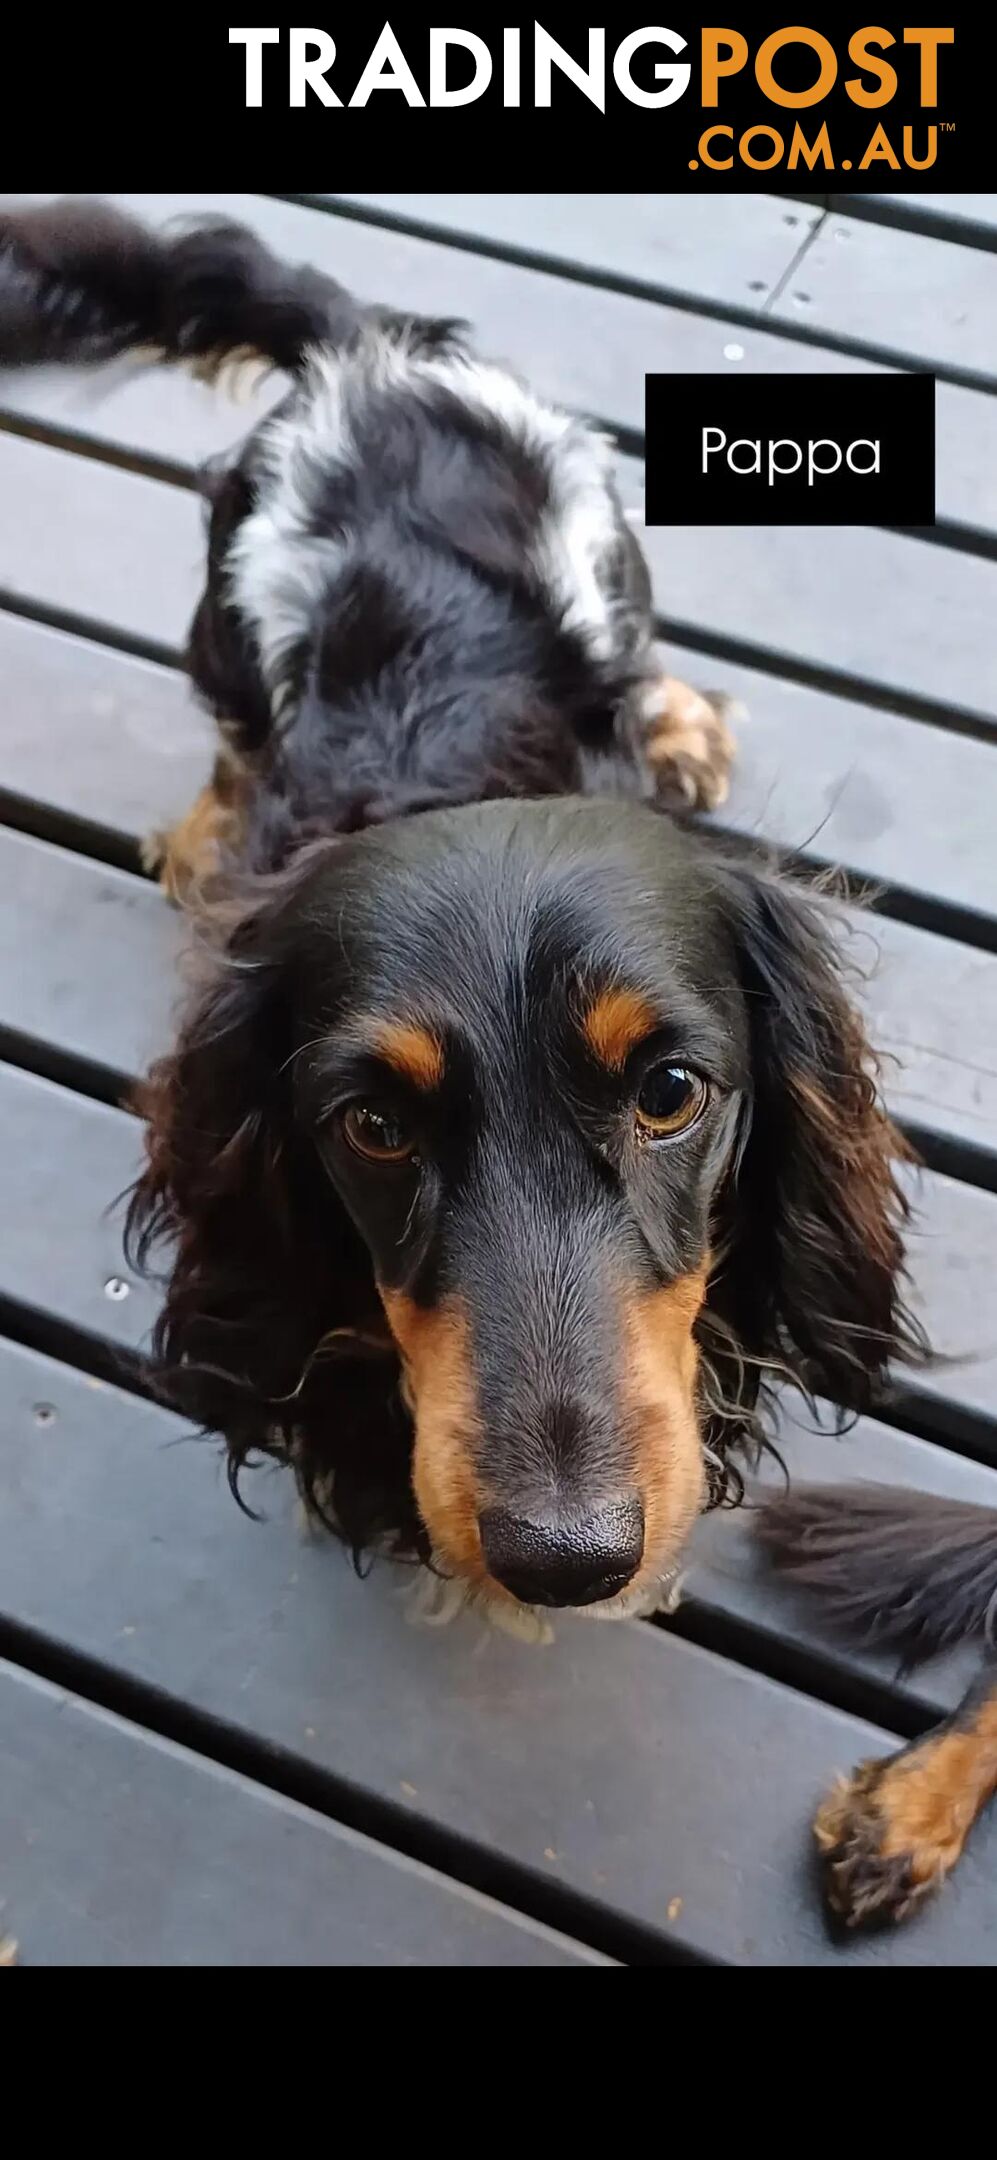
column 565, row 1560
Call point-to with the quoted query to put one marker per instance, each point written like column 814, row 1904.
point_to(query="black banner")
column 748, row 100
column 790, row 450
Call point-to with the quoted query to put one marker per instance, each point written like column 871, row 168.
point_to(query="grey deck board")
column 926, row 300
column 118, row 1848
column 103, row 736
column 908, row 619
column 134, row 413
column 648, row 1776
column 85, row 539
column 88, row 955
column 907, row 805
column 731, row 248
column 60, row 1240
column 728, row 1572
column 911, row 620
column 586, row 348
column 96, row 735
column 91, row 964
column 967, row 217
column 932, row 1013
column 965, row 460
column 954, row 1284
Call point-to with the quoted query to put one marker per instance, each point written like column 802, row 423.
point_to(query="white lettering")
column 754, row 450
column 675, row 79
column 387, row 69
column 813, row 466
column 439, row 43
column 254, row 41
column 782, row 442
column 710, row 449
column 591, row 80
column 305, row 74
column 510, row 66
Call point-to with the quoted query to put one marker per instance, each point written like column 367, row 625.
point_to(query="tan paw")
column 689, row 744
column 152, row 850
column 889, row 1835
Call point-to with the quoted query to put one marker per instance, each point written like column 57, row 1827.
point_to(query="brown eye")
column 670, row 1100
column 378, row 1135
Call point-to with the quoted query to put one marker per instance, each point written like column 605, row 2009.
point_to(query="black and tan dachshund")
column 519, row 1139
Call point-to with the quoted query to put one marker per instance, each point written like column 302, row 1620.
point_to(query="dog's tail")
column 81, row 283
column 902, row 1571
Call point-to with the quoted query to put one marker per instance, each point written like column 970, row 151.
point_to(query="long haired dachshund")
column 518, row 1138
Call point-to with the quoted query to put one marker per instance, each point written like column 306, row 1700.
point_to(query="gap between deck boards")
column 688, row 637
column 882, row 894
column 948, row 532
column 356, row 1808
column 674, row 296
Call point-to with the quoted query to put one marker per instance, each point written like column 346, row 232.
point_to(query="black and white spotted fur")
column 421, row 586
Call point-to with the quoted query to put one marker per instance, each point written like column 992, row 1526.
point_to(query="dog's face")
column 527, row 1098
column 573, row 1115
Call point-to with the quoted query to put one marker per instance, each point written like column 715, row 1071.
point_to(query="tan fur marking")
column 436, row 1356
column 892, row 1831
column 190, row 854
column 660, row 1359
column 660, row 1363
column 689, row 743
column 412, row 1051
column 615, row 1023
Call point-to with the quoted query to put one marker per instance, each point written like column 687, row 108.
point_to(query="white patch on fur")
column 577, row 536
column 435, row 1599
column 578, row 528
column 279, row 572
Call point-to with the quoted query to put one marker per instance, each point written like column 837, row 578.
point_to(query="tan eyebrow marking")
column 412, row 1051
column 615, row 1023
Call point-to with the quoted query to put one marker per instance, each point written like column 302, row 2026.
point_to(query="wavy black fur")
column 909, row 1572
column 82, row 283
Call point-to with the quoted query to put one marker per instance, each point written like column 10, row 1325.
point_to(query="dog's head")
column 505, row 1151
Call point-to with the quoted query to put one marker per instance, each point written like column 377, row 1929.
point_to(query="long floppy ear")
column 271, row 1332
column 813, row 1282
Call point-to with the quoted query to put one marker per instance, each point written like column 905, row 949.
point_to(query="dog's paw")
column 887, row 1838
column 689, row 743
column 186, row 858
column 152, row 851
column 160, row 860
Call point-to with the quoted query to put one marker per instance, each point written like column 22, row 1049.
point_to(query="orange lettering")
column 796, row 36
column 929, row 41
column 886, row 76
column 735, row 48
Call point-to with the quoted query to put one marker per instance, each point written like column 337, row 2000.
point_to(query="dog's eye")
column 377, row 1134
column 670, row 1100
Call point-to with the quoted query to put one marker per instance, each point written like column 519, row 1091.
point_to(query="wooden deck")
column 218, row 1746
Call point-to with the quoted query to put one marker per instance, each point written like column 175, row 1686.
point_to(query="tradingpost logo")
column 800, row 98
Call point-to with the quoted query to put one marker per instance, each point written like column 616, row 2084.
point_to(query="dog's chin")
column 440, row 1593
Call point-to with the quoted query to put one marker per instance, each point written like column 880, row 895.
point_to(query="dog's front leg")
column 891, row 1833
